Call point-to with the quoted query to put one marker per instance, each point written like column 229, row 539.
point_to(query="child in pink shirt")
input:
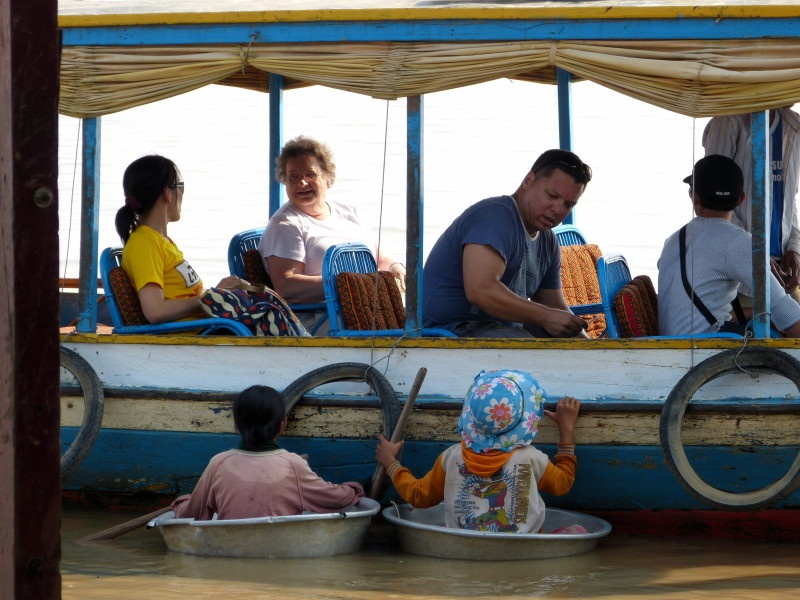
column 260, row 479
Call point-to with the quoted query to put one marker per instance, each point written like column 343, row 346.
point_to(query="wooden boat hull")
column 295, row 536
column 422, row 531
column 167, row 416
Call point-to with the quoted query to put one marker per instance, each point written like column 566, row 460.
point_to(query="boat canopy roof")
column 696, row 59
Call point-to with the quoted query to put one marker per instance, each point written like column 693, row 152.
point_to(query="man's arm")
column 790, row 262
column 555, row 299
column 483, row 269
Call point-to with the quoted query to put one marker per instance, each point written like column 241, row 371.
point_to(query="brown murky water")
column 138, row 566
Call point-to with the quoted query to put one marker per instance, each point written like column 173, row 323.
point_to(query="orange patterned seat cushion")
column 579, row 282
column 364, row 308
column 636, row 305
column 127, row 298
column 254, row 271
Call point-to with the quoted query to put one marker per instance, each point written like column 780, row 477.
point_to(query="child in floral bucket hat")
column 491, row 480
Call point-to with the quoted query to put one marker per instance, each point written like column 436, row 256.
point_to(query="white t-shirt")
column 507, row 502
column 293, row 234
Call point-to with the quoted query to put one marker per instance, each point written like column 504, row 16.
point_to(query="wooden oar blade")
column 122, row 528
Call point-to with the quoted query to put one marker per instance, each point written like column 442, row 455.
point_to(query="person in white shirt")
column 703, row 264
column 730, row 136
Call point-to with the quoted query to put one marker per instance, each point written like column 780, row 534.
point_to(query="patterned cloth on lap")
column 265, row 313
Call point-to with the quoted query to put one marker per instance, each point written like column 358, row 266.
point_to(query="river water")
column 138, row 566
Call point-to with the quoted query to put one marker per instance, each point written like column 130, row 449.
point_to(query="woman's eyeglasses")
column 296, row 178
column 582, row 169
column 178, row 185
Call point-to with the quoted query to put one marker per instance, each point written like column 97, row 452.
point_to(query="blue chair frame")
column 354, row 257
column 612, row 273
column 239, row 244
column 248, row 240
column 111, row 258
column 569, row 235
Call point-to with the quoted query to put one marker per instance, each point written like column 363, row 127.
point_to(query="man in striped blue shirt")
column 703, row 264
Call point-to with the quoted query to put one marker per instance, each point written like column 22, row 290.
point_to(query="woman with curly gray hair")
column 301, row 231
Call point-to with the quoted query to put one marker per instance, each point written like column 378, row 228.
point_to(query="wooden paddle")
column 122, row 528
column 397, row 434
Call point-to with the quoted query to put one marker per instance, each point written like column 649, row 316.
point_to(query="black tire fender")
column 727, row 362
column 390, row 406
column 93, row 406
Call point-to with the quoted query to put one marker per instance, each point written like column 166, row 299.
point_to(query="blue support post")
column 276, row 84
column 90, row 226
column 760, row 193
column 414, row 212
column 564, row 83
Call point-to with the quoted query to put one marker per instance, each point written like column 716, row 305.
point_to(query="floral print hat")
column 502, row 411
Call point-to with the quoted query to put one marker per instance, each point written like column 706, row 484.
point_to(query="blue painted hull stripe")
column 608, row 478
column 433, row 31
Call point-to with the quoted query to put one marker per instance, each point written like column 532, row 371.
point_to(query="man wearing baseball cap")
column 703, row 264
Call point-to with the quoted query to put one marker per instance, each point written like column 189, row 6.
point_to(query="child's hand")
column 566, row 412
column 386, row 452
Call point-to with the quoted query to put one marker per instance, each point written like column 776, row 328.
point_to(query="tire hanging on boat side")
column 93, row 406
column 724, row 363
column 390, row 406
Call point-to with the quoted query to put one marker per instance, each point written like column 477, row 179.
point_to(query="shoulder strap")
column 739, row 311
column 689, row 291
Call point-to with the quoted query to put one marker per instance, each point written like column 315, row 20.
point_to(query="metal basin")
column 422, row 531
column 296, row 536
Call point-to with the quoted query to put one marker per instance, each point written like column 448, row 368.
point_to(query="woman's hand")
column 399, row 271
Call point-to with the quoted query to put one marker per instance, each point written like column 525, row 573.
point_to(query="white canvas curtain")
column 696, row 78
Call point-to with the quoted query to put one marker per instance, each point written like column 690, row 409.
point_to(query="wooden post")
column 30, row 494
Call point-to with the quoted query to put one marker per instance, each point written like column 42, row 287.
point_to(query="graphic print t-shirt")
column 508, row 501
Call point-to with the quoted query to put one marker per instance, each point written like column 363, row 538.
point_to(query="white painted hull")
column 624, row 370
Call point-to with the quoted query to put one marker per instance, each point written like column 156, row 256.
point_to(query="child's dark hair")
column 143, row 182
column 258, row 413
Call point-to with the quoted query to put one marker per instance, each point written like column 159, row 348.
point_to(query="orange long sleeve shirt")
column 428, row 491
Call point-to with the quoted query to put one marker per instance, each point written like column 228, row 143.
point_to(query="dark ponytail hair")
column 258, row 413
column 143, row 182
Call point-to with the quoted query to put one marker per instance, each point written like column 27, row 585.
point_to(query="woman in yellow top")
column 491, row 480
column 169, row 288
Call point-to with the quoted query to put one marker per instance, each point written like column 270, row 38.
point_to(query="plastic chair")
column 569, row 235
column 244, row 261
column 353, row 257
column 237, row 247
column 636, row 307
column 119, row 293
column 612, row 273
column 580, row 286
column 631, row 305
